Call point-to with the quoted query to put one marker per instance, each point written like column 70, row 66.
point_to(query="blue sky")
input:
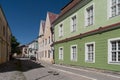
column 24, row 16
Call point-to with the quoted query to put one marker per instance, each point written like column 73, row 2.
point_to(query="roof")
column 52, row 17
column 68, row 7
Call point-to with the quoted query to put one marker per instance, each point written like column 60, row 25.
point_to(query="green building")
column 87, row 33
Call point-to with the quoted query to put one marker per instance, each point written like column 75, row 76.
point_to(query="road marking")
column 73, row 73
column 88, row 71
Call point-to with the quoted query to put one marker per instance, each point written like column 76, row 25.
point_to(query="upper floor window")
column 114, row 8
column 89, row 16
column 45, row 41
column 61, row 30
column 114, row 51
column 73, row 23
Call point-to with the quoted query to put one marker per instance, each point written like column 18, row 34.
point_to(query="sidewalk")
column 94, row 74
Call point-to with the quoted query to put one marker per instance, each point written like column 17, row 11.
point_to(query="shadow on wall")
column 19, row 65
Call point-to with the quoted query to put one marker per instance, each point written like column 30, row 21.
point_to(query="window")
column 45, row 54
column 73, row 23
column 114, row 51
column 45, row 41
column 4, row 30
column 61, row 30
column 90, row 52
column 74, row 53
column 49, row 40
column 49, row 53
column 60, row 53
column 89, row 16
column 114, row 7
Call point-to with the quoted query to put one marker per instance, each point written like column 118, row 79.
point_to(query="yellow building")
column 5, row 38
column 46, row 39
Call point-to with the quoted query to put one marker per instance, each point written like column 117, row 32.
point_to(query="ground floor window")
column 114, row 50
column 61, row 53
column 45, row 54
column 74, row 53
column 49, row 53
column 90, row 52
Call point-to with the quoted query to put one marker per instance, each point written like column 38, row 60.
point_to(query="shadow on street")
column 29, row 65
column 19, row 65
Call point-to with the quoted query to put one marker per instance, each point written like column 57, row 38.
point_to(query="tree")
column 15, row 46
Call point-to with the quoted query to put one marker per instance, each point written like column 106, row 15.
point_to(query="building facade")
column 32, row 49
column 24, row 50
column 41, row 40
column 45, row 38
column 88, row 35
column 5, row 38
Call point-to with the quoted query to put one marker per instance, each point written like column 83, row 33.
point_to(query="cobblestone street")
column 29, row 70
column 25, row 69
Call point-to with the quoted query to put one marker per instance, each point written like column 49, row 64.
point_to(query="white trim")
column 71, row 58
column 75, row 14
column 109, row 51
column 108, row 9
column 85, row 15
column 86, row 53
column 62, row 53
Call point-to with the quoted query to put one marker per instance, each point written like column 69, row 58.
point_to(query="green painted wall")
column 101, row 40
column 101, row 51
column 101, row 19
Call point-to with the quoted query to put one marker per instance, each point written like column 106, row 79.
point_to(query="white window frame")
column 61, row 55
column 109, row 3
column 72, row 53
column 72, row 24
column 86, row 52
column 60, row 30
column 86, row 15
column 109, row 51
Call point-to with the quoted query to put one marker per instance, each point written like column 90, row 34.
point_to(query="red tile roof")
column 52, row 16
column 69, row 6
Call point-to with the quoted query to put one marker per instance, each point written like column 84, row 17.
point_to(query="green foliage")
column 15, row 45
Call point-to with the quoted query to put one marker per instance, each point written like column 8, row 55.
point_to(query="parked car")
column 33, row 58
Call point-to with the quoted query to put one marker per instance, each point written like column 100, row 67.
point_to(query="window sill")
column 89, row 25
column 114, row 16
column 73, row 31
column 89, row 61
column 116, row 63
column 60, row 36
column 74, row 60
